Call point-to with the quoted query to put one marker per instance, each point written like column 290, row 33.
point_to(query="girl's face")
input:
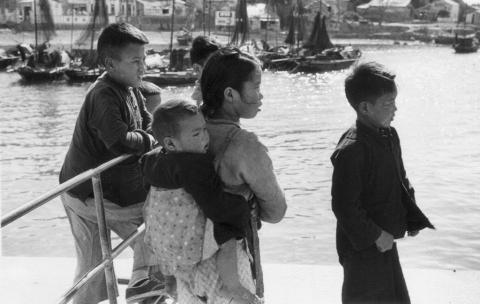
column 249, row 100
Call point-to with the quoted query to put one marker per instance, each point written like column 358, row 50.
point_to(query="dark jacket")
column 112, row 121
column 195, row 173
column 370, row 190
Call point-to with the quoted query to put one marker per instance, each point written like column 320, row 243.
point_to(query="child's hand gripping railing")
column 108, row 254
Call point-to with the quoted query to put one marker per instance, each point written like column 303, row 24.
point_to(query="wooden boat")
column 320, row 55
column 283, row 58
column 185, row 38
column 445, row 38
column 466, row 44
column 84, row 68
column 83, row 74
column 6, row 61
column 320, row 64
column 45, row 63
column 174, row 74
column 39, row 74
column 170, row 78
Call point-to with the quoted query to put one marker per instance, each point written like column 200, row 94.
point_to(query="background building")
column 386, row 10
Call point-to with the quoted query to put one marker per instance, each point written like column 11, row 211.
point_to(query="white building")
column 259, row 18
column 473, row 17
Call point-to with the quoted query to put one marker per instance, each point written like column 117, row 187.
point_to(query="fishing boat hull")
column 83, row 75
column 171, row 78
column 277, row 62
column 184, row 40
column 463, row 49
column 8, row 61
column 41, row 74
column 466, row 44
column 323, row 65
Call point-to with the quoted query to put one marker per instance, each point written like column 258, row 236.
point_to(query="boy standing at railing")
column 112, row 121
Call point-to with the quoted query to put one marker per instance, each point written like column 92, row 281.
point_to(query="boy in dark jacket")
column 112, row 121
column 372, row 198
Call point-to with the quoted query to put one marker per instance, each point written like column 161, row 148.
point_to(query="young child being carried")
column 186, row 193
column 372, row 198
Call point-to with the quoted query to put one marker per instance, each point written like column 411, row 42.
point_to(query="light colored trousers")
column 83, row 222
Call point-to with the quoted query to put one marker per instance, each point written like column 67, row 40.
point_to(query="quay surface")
column 44, row 280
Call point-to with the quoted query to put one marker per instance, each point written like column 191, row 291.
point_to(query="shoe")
column 145, row 288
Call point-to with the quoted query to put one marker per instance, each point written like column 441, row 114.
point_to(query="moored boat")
column 38, row 74
column 320, row 55
column 6, row 61
column 466, row 44
column 83, row 74
column 170, row 78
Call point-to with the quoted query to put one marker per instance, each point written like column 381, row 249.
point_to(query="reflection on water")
column 301, row 121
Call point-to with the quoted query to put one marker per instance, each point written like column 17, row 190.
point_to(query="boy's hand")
column 384, row 241
column 413, row 232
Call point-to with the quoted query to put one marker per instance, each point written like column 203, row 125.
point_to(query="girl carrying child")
column 230, row 84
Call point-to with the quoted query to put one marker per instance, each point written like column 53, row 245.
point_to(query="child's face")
column 250, row 98
column 129, row 67
column 381, row 113
column 193, row 136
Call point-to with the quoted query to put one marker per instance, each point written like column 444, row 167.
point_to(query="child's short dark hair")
column 149, row 89
column 227, row 67
column 167, row 116
column 116, row 36
column 367, row 82
column 202, row 47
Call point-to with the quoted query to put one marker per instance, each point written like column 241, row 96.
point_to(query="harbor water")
column 438, row 120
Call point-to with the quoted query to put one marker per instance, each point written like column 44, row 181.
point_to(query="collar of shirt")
column 219, row 121
column 107, row 78
column 376, row 132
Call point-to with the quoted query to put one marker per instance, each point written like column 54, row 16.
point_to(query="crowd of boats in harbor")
column 315, row 54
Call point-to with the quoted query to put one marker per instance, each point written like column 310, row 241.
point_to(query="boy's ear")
column 108, row 62
column 197, row 68
column 363, row 107
column 228, row 94
column 169, row 144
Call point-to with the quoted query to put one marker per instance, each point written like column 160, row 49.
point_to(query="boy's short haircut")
column 115, row 37
column 149, row 89
column 367, row 82
column 202, row 47
column 167, row 116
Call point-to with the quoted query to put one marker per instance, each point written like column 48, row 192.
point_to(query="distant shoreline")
column 161, row 39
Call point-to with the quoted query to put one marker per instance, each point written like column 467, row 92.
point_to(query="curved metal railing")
column 108, row 254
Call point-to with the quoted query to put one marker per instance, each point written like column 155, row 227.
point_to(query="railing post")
column 105, row 241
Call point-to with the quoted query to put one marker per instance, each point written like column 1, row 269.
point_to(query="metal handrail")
column 92, row 273
column 71, row 183
column 105, row 242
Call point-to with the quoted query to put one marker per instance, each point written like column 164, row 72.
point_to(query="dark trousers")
column 372, row 277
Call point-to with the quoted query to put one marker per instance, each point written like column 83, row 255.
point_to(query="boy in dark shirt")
column 372, row 198
column 183, row 177
column 112, row 121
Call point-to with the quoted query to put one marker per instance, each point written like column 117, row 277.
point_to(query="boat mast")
column 209, row 15
column 95, row 13
column 266, row 26
column 35, row 23
column 71, row 32
column 203, row 16
column 171, row 27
